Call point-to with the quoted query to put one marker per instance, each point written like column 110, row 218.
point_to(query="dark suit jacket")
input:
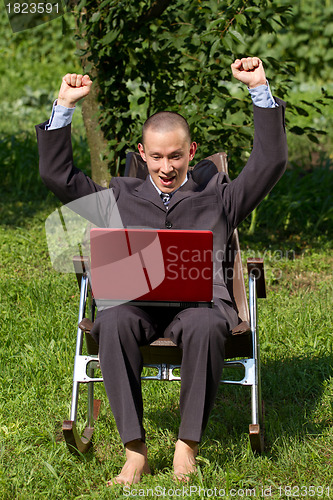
column 218, row 206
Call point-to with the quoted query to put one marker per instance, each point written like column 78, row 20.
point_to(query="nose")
column 166, row 167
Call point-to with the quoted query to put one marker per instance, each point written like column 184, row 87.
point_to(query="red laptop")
column 151, row 267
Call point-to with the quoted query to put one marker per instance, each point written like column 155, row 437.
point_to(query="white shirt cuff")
column 262, row 97
column 60, row 116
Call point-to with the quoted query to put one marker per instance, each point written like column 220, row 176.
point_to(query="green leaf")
column 110, row 37
column 95, row 17
column 252, row 9
column 51, row 469
column 301, row 111
column 236, row 35
column 297, row 130
column 313, row 138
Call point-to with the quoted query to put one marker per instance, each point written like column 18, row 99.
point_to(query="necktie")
column 166, row 199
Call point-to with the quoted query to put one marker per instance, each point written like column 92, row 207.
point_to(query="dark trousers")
column 200, row 332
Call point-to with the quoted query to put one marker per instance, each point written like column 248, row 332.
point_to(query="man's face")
column 167, row 155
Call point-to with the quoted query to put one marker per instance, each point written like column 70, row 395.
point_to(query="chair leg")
column 256, row 429
column 79, row 444
column 256, row 434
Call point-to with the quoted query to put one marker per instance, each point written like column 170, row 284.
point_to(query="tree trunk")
column 97, row 143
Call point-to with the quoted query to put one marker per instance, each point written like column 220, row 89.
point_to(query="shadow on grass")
column 296, row 399
column 296, row 394
column 23, row 194
column 297, row 406
column 297, row 213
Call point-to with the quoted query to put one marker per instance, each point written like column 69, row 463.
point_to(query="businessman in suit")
column 169, row 198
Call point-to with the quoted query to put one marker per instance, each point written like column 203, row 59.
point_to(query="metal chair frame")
column 168, row 357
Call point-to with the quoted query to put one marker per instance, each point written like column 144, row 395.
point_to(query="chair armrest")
column 86, row 325
column 256, row 268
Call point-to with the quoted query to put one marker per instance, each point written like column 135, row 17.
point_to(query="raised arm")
column 269, row 155
column 56, row 164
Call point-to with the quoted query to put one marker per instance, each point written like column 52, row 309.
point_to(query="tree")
column 152, row 55
column 305, row 40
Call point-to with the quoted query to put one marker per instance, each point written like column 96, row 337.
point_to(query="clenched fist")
column 73, row 88
column 249, row 70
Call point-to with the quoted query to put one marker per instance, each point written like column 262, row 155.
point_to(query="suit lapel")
column 184, row 192
column 147, row 191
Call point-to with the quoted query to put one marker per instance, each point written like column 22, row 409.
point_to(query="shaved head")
column 166, row 121
column 167, row 149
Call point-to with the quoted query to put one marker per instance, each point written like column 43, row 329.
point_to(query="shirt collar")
column 173, row 192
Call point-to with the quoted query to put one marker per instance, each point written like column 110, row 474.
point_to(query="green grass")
column 38, row 316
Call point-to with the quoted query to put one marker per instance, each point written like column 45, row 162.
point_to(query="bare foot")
column 135, row 466
column 184, row 459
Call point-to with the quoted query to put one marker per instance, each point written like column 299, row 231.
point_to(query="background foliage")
column 178, row 57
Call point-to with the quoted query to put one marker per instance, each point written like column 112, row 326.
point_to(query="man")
column 217, row 206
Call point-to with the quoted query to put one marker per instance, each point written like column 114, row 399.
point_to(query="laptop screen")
column 151, row 265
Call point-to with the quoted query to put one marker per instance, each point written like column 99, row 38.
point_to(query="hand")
column 249, row 70
column 73, row 88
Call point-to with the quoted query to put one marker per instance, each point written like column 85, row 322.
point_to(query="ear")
column 193, row 149
column 142, row 152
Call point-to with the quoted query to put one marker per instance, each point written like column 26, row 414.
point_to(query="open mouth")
column 167, row 181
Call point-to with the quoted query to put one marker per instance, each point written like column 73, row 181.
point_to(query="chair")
column 242, row 348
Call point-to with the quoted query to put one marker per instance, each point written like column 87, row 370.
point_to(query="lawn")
column 38, row 317
column 38, row 329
